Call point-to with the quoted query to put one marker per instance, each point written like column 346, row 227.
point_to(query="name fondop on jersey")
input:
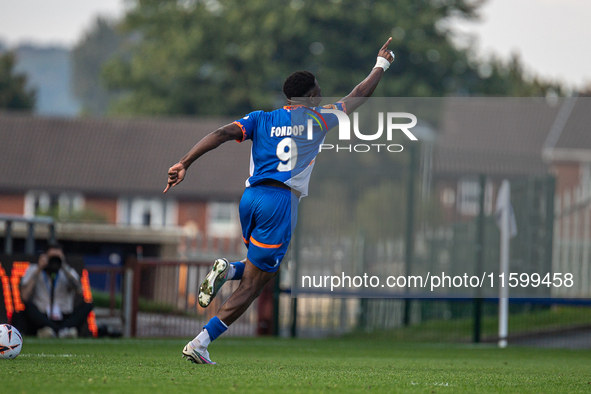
column 286, row 131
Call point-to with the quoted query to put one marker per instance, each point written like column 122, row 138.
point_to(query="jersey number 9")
column 287, row 153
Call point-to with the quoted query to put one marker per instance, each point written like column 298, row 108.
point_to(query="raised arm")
column 176, row 173
column 27, row 287
column 366, row 88
column 29, row 281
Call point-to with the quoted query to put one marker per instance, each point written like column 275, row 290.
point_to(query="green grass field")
column 290, row 366
column 462, row 329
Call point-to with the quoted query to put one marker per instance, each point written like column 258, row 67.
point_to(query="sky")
column 549, row 35
column 54, row 22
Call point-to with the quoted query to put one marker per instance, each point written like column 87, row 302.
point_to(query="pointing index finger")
column 385, row 46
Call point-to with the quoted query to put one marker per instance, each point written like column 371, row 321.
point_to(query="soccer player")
column 282, row 158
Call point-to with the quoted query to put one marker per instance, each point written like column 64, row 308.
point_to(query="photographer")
column 48, row 290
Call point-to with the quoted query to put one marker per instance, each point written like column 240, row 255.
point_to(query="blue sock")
column 239, row 267
column 215, row 327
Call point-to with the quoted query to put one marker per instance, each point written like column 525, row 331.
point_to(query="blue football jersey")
column 284, row 147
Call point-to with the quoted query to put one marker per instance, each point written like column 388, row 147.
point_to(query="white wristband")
column 382, row 62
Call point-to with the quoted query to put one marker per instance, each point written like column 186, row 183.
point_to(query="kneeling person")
column 48, row 290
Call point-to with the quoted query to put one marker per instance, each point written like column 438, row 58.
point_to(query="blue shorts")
column 268, row 214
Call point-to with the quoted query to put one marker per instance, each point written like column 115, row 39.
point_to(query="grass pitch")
column 290, row 366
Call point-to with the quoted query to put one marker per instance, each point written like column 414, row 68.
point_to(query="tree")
column 498, row 78
column 98, row 46
column 13, row 91
column 585, row 91
column 227, row 57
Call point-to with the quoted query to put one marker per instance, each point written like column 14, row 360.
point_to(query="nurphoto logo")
column 345, row 131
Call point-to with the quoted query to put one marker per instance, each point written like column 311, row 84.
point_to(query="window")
column 146, row 218
column 147, row 212
column 448, row 197
column 469, row 196
column 585, row 172
column 44, row 203
column 223, row 220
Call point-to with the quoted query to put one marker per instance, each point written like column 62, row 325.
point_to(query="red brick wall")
column 194, row 211
column 104, row 206
column 449, row 212
column 568, row 176
column 12, row 204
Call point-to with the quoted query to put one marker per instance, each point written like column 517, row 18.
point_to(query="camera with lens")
column 54, row 264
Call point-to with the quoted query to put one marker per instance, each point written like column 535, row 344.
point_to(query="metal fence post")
column 127, row 299
column 276, row 298
column 361, row 269
column 295, row 258
column 8, row 238
column 30, row 243
column 137, row 277
column 410, row 200
column 549, row 235
column 112, row 286
column 479, row 260
column 51, row 232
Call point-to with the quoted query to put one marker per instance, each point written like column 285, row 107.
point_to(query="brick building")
column 511, row 138
column 105, row 177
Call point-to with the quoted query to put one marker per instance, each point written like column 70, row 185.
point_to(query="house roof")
column 496, row 136
column 116, row 156
column 576, row 133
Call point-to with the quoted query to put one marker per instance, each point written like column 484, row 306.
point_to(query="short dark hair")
column 298, row 84
column 53, row 245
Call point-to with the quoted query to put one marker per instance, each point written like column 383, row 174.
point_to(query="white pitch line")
column 54, row 355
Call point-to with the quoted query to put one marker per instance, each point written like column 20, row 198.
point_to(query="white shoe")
column 213, row 282
column 45, row 333
column 196, row 354
column 68, row 333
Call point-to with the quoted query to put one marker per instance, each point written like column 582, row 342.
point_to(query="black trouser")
column 39, row 319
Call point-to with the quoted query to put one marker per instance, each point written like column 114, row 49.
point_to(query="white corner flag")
column 505, row 218
column 504, row 205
